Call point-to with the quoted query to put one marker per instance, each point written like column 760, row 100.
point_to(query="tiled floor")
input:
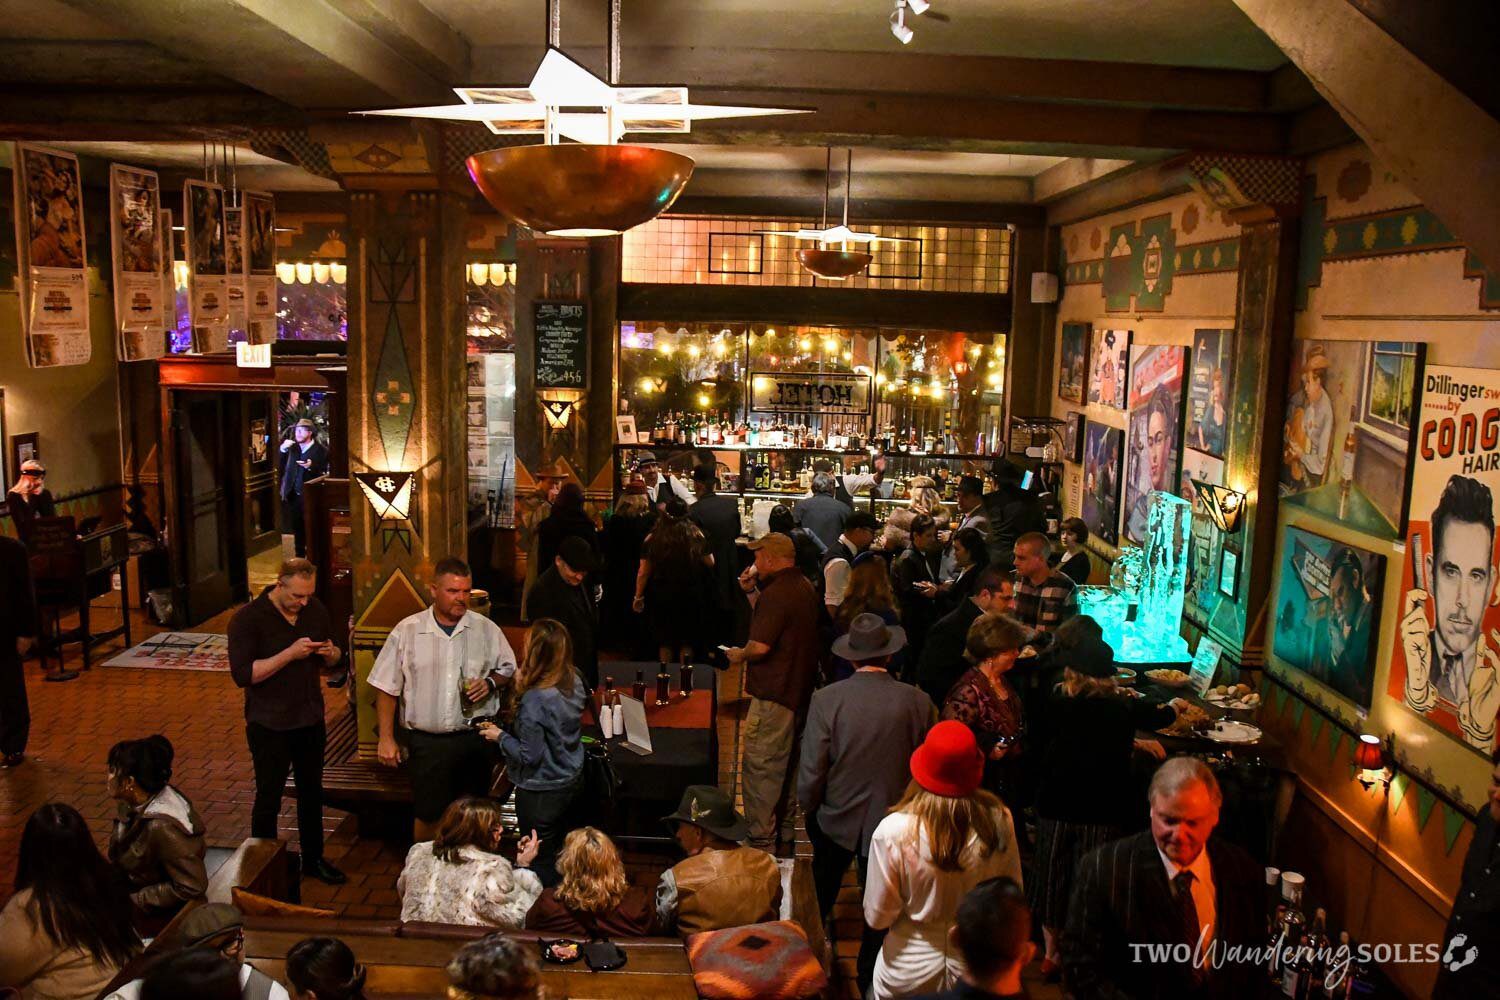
column 74, row 724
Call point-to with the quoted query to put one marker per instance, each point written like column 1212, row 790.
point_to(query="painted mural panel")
column 1154, row 432
column 1446, row 661
column 1209, row 391
column 1073, row 369
column 1348, row 431
column 1328, row 612
column 1109, row 368
column 1101, row 481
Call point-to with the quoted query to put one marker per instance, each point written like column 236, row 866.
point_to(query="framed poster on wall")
column 1073, row 438
column 1210, row 382
column 1102, row 450
column 1073, row 366
column 1109, row 368
column 1153, row 429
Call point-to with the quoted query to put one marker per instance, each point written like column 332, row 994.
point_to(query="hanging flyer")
column 208, row 265
column 139, row 263
column 260, row 263
column 234, row 253
column 51, row 278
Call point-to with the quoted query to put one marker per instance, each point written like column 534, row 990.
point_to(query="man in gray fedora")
column 860, row 735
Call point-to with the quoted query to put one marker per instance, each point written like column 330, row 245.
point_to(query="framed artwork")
column 1229, row 572
column 1073, row 365
column 1109, row 368
column 1153, row 430
column 1073, row 437
column 23, row 448
column 625, row 432
column 260, row 440
column 1199, row 467
column 1102, row 450
column 1348, row 434
column 1450, row 569
column 1327, row 611
column 1210, row 384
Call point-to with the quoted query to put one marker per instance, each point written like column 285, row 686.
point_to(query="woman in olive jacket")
column 157, row 841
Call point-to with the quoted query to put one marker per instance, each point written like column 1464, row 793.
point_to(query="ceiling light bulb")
column 898, row 24
column 693, row 350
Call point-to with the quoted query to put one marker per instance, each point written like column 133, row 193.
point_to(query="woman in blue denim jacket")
column 543, row 748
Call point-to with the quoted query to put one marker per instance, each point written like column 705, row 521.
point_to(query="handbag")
column 600, row 782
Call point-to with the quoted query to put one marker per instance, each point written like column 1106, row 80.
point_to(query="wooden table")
column 411, row 966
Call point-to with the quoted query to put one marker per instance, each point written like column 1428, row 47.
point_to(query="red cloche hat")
column 948, row 762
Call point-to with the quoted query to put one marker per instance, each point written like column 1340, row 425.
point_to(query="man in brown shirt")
column 721, row 884
column 781, row 662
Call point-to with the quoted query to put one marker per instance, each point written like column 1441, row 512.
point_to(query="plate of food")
column 1124, row 676
column 563, row 951
column 1240, row 697
column 1168, row 677
column 1190, row 719
column 1229, row 731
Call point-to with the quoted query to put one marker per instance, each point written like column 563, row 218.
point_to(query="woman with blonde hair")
column 943, row 838
column 869, row 593
column 543, row 746
column 460, row 878
column 593, row 898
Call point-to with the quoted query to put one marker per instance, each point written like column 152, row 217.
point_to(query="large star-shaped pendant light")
column 579, row 106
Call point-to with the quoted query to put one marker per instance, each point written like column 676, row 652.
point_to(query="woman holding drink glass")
column 543, row 746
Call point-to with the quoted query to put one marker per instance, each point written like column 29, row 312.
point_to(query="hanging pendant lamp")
column 591, row 186
column 840, row 252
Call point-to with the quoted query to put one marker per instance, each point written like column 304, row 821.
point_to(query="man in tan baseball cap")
column 781, row 664
column 29, row 499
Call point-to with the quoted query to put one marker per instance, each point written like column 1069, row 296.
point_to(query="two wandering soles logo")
column 1335, row 960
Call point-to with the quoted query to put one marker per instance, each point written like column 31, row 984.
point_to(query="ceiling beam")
column 138, row 115
column 1440, row 144
column 306, row 53
column 904, row 73
column 1073, row 173
column 426, row 40
column 1141, row 129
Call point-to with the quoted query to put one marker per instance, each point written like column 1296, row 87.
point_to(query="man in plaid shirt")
column 1044, row 597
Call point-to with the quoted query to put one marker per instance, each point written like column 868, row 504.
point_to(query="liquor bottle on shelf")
column 669, row 428
column 663, row 685
column 685, row 676
column 1297, row 977
column 1318, row 947
column 638, row 689
column 1339, row 970
column 1273, row 937
column 1273, row 896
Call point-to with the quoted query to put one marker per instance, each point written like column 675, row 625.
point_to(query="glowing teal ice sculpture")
column 1140, row 611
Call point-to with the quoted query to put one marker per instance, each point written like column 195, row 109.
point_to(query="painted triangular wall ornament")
column 389, row 493
column 1425, row 801
column 1335, row 737
column 1453, row 822
column 557, row 411
column 1399, row 784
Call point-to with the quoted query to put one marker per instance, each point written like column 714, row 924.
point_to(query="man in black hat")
column 971, row 515
column 218, row 927
column 718, row 517
column 306, row 459
column 660, row 486
column 721, row 884
column 856, row 751
column 563, row 593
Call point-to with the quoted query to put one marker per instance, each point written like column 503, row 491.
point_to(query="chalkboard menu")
column 562, row 346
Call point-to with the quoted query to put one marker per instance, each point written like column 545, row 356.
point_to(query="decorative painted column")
column 1262, row 195
column 406, row 399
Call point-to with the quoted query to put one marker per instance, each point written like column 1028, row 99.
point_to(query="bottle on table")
column 663, row 685
column 638, row 689
column 685, row 676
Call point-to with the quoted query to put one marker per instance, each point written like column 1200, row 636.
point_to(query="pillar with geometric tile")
column 406, row 400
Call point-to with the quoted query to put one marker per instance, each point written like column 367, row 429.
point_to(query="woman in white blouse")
column 459, row 878
column 943, row 838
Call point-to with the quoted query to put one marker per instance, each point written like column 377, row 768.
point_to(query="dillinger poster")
column 1446, row 662
column 234, row 255
column 208, row 265
column 136, row 240
column 49, row 234
column 260, row 260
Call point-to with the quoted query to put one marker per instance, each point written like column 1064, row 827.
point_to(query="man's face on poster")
column 1461, row 576
column 1156, row 449
column 1313, row 386
column 1347, row 595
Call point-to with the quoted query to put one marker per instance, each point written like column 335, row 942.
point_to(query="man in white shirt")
column 838, row 561
column 848, row 485
column 661, row 486
column 428, row 657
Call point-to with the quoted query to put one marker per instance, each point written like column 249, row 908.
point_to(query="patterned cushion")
column 769, row 961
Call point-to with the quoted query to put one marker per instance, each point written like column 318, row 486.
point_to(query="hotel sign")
column 810, row 392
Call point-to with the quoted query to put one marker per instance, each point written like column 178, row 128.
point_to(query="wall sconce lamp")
column 557, row 411
column 1223, row 505
column 1372, row 759
column 389, row 494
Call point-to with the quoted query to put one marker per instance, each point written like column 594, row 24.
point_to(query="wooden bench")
column 364, row 787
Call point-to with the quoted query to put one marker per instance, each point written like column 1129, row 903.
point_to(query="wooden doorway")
column 209, row 547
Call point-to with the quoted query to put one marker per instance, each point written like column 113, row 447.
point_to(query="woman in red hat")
column 943, row 838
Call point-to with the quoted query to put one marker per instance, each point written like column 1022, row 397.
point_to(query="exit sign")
column 252, row 355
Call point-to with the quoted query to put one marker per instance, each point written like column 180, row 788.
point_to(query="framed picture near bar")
column 1153, row 430
column 562, row 345
column 1440, row 656
column 23, row 448
column 1073, row 437
column 208, row 265
column 1102, row 450
column 1109, row 368
column 829, row 393
column 1073, row 367
column 51, row 256
column 1209, row 385
column 1348, row 435
column 1327, row 609
column 140, row 265
column 625, row 432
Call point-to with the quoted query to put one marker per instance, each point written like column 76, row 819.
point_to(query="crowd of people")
column 922, row 691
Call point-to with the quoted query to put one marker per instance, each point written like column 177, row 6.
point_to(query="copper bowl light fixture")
column 580, row 189
column 590, row 186
column 832, row 258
